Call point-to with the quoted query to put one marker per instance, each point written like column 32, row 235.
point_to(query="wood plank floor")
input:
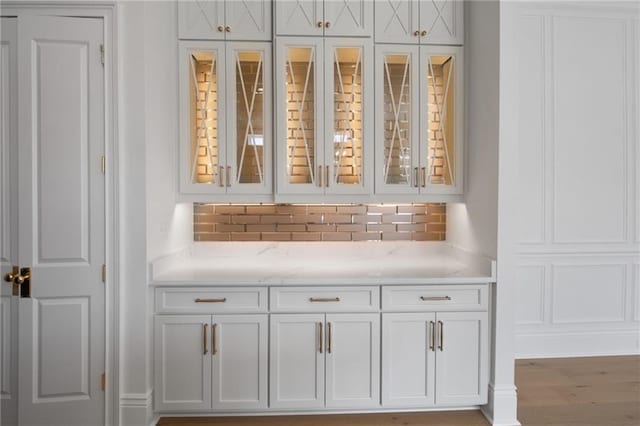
column 597, row 391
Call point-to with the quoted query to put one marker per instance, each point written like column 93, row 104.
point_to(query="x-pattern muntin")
column 439, row 17
column 249, row 107
column 345, row 5
column 396, row 16
column 347, row 105
column 442, row 114
column 396, row 111
column 203, row 116
column 304, row 13
column 300, row 106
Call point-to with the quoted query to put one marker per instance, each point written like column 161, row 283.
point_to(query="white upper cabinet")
column 225, row 117
column 419, row 21
column 348, row 18
column 324, row 116
column 419, row 123
column 224, row 20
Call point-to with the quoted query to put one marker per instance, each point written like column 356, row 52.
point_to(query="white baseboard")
column 136, row 409
column 502, row 408
column 550, row 344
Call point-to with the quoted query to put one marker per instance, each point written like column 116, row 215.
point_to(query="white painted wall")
column 578, row 251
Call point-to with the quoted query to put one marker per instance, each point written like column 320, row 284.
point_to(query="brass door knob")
column 416, row 33
column 227, row 29
column 220, row 28
column 20, row 279
column 327, row 24
column 423, row 33
column 9, row 277
column 320, row 24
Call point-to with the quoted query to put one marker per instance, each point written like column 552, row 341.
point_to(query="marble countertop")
column 321, row 263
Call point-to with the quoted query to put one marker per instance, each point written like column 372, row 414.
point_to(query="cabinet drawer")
column 435, row 298
column 211, row 300
column 324, row 299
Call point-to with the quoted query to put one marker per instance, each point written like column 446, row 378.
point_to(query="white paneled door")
column 8, row 222
column 61, row 220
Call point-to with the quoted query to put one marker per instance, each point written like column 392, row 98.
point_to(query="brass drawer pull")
column 427, row 298
column 215, row 300
column 320, row 337
column 441, row 333
column 214, row 347
column 324, row 299
column 328, row 337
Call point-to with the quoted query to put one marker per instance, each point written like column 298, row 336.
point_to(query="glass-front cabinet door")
column 419, row 120
column 324, row 116
column 225, row 117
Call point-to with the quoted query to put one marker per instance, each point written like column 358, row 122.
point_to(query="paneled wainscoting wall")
column 578, row 276
column 352, row 222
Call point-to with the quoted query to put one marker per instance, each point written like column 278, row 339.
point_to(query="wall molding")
column 505, row 397
column 551, row 344
column 136, row 408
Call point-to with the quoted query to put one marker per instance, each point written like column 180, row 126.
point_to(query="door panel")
column 396, row 21
column 353, row 360
column 461, row 368
column 8, row 220
column 62, row 223
column 408, row 360
column 297, row 362
column 442, row 20
column 248, row 20
column 348, row 18
column 239, row 362
column 200, row 19
column 299, row 17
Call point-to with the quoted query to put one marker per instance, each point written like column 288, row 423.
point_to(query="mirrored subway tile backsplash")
column 315, row 222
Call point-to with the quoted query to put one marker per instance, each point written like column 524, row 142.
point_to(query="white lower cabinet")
column 206, row 362
column 324, row 360
column 434, row 359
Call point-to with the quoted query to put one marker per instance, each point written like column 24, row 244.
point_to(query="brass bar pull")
column 320, row 177
column 424, row 177
column 326, row 177
column 441, row 335
column 320, row 337
column 228, row 177
column 324, row 299
column 426, row 298
column 328, row 337
column 204, row 338
column 432, row 340
column 215, row 300
column 416, row 181
column 221, row 176
column 214, row 345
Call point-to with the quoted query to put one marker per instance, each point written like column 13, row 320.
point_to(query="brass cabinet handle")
column 432, row 340
column 214, row 346
column 227, row 177
column 214, row 300
column 416, row 182
column 204, row 338
column 441, row 335
column 328, row 337
column 425, row 298
column 416, row 33
column 327, row 24
column 320, row 177
column 424, row 177
column 324, row 299
column 326, row 177
column 227, row 29
column 220, row 28
column 320, row 24
column 423, row 33
column 320, row 337
column 221, row 176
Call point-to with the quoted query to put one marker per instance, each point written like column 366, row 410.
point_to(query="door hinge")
column 103, row 164
column 104, row 273
column 102, row 54
column 103, row 381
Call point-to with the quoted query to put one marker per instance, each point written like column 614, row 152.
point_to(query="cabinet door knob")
column 416, row 33
column 227, row 29
column 327, row 24
column 320, row 24
column 220, row 28
column 423, row 33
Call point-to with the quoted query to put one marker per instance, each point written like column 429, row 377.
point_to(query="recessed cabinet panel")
column 248, row 20
column 299, row 17
column 348, row 18
column 201, row 19
column 224, row 20
column 441, row 22
column 397, row 21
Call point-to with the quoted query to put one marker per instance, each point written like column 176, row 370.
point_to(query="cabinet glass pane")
column 203, row 102
column 250, row 138
column 347, row 122
column 300, row 114
column 397, row 116
column 440, row 119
